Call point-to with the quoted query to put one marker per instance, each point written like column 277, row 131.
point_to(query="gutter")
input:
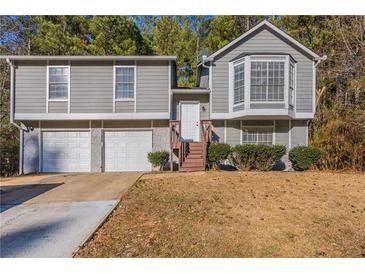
column 206, row 59
column 319, row 60
column 22, row 127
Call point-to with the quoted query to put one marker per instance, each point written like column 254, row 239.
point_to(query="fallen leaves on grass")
column 237, row 214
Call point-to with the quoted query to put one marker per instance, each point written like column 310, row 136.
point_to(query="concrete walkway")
column 51, row 216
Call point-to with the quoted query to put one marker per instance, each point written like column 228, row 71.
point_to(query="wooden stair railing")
column 206, row 133
column 192, row 155
column 175, row 141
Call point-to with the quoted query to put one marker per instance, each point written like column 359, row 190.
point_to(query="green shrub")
column 243, row 156
column 261, row 157
column 302, row 157
column 217, row 153
column 158, row 158
column 266, row 156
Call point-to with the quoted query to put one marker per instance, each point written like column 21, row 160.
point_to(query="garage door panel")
column 127, row 150
column 66, row 151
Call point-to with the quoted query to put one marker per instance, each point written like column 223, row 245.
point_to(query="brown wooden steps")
column 194, row 158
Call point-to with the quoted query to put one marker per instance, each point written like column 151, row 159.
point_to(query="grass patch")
column 237, row 214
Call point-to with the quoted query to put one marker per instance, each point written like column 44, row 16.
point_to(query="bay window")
column 239, row 83
column 291, row 82
column 262, row 79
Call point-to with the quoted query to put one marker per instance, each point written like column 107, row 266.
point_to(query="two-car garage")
column 70, row 151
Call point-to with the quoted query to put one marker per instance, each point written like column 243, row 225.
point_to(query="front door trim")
column 181, row 102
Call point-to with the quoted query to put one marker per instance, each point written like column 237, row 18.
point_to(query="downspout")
column 22, row 127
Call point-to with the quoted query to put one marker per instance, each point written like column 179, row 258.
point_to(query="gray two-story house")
column 105, row 113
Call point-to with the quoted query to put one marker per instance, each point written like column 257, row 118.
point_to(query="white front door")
column 127, row 150
column 190, row 121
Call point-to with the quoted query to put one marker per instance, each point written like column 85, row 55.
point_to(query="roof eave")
column 86, row 57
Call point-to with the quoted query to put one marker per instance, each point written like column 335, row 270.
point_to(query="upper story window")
column 262, row 79
column 58, row 82
column 267, row 81
column 125, row 83
column 239, row 83
column 291, row 82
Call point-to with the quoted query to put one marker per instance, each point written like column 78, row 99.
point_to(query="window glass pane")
column 267, row 81
column 124, row 83
column 58, row 82
column 239, row 83
column 253, row 135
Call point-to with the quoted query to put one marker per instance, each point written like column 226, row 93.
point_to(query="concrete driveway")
column 52, row 215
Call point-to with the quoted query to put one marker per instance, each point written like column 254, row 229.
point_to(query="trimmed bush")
column 302, row 157
column 217, row 153
column 158, row 158
column 243, row 156
column 261, row 157
column 266, row 156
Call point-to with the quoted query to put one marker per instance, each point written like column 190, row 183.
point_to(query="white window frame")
column 286, row 76
column 247, row 60
column 114, row 83
column 68, row 87
column 292, row 62
column 258, row 126
column 237, row 63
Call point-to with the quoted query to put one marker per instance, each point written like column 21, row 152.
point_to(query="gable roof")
column 281, row 33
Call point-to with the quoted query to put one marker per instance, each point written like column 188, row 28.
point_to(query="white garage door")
column 127, row 150
column 66, row 151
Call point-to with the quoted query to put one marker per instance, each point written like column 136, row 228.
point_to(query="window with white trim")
column 291, row 82
column 267, row 81
column 58, row 82
column 124, row 82
column 257, row 135
column 239, row 83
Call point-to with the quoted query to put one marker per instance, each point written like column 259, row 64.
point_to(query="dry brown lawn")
column 237, row 214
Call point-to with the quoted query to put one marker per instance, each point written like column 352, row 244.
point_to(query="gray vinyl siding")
column 30, row 87
column 266, row 106
column 239, row 107
column 65, row 124
column 257, row 122
column 202, row 98
column 282, row 132
column 233, row 132
column 204, row 77
column 127, row 124
column 263, row 41
column 152, row 86
column 299, row 133
column 218, row 131
column 91, row 87
column 57, row 107
column 127, row 106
